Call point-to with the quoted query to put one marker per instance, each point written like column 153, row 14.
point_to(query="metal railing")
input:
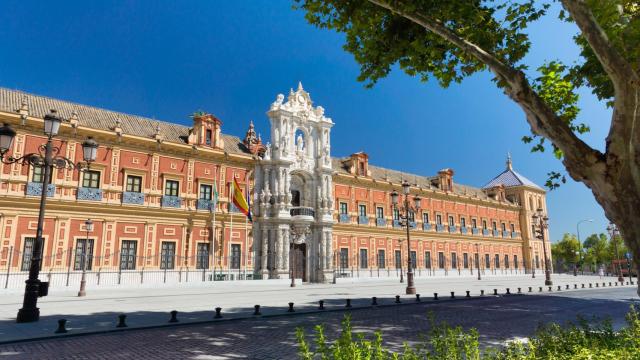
column 302, row 211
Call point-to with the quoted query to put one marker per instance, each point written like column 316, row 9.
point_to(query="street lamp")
column 533, row 265
column 613, row 232
column 478, row 260
column 575, row 267
column 406, row 207
column 88, row 224
column 541, row 223
column 47, row 157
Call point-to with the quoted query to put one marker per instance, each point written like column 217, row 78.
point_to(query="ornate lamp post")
column 541, row 223
column 406, row 207
column 88, row 224
column 478, row 260
column 47, row 158
column 533, row 265
column 613, row 232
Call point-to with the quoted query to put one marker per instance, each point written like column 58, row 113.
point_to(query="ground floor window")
column 465, row 260
column 497, row 261
column 454, row 260
column 167, row 255
column 83, row 255
column 487, row 262
column 128, row 254
column 235, row 256
column 398, row 259
column 344, row 258
column 414, row 260
column 441, row 260
column 202, row 256
column 427, row 259
column 364, row 263
column 381, row 261
column 476, row 258
column 537, row 262
column 506, row 261
column 515, row 261
column 27, row 253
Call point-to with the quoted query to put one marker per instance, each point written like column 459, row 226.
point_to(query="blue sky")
column 166, row 59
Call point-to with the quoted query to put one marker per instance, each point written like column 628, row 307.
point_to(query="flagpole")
column 231, row 197
column 213, row 229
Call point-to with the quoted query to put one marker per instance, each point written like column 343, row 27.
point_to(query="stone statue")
column 267, row 153
column 279, row 100
column 300, row 143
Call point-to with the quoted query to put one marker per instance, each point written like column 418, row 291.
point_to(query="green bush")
column 579, row 341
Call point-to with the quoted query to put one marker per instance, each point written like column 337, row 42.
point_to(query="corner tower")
column 293, row 192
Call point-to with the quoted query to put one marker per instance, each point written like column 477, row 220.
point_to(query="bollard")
column 256, row 310
column 62, row 323
column 550, row 288
column 453, row 295
column 397, row 299
column 575, row 286
column 519, row 291
column 583, row 286
column 540, row 288
column 468, row 294
column 567, row 288
column 495, row 291
column 374, row 301
column 348, row 303
column 435, row 296
column 530, row 289
column 481, row 292
column 559, row 287
column 122, row 321
column 218, row 315
column 417, row 297
column 321, row 305
column 597, row 284
column 174, row 316
column 590, row 285
column 290, row 307
column 610, row 283
column 603, row 285
column 508, row 291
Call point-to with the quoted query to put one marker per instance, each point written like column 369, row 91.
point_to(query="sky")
column 167, row 59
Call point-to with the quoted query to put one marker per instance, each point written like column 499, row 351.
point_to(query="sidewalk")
column 98, row 311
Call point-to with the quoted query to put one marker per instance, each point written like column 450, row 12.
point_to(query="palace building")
column 151, row 195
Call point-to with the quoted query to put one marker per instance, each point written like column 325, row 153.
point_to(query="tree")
column 450, row 40
column 567, row 250
column 596, row 248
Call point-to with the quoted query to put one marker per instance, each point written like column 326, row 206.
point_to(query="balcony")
column 204, row 204
column 302, row 213
column 485, row 232
column 171, row 201
column 396, row 223
column 91, row 194
column 514, row 234
column 363, row 220
column 439, row 227
column 496, row 233
column 381, row 222
column 505, row 233
column 475, row 231
column 426, row 226
column 412, row 225
column 452, row 229
column 134, row 198
column 463, row 229
column 35, row 189
column 344, row 218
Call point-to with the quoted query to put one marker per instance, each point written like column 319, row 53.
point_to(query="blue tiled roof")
column 511, row 178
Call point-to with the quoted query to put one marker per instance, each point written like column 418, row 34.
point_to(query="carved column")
column 278, row 250
column 285, row 248
column 265, row 250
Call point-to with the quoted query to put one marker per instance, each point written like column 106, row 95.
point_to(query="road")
column 497, row 319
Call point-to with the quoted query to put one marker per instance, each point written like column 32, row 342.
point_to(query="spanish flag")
column 238, row 199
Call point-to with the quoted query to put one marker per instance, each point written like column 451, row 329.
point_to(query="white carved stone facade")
column 293, row 200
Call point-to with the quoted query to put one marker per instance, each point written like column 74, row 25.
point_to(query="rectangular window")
column 476, row 259
column 537, row 262
column 465, row 260
column 412, row 216
column 235, row 256
column 364, row 260
column 496, row 262
column 515, row 261
column 380, row 212
column 454, row 260
column 439, row 219
column 362, row 210
column 504, row 227
column 513, row 228
column 91, row 179
column 425, row 217
column 38, row 174
column 398, row 259
column 167, row 255
column 474, row 223
column 343, row 208
column 381, row 260
column 494, row 225
column 427, row 259
column 171, row 188
column 134, row 183
column 84, row 254
column 344, row 258
column 202, row 256
column 506, row 261
column 205, row 191
column 414, row 260
column 463, row 222
column 441, row 260
column 208, row 134
column 27, row 253
column 128, row 254
column 451, row 221
column 484, row 224
column 487, row 261
column 396, row 214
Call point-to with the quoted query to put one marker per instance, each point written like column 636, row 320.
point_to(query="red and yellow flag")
column 238, row 199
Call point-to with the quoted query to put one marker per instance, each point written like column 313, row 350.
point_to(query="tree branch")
column 613, row 63
column 586, row 163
